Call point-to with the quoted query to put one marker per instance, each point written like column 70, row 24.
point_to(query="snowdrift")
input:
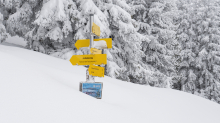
column 37, row 88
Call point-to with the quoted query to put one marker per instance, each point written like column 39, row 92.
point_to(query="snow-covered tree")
column 3, row 34
column 20, row 15
column 198, row 34
column 159, row 24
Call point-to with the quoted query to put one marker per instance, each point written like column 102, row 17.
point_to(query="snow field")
column 37, row 88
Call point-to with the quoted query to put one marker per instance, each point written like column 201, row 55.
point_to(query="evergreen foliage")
column 3, row 34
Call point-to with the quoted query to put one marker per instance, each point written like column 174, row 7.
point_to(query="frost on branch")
column 52, row 11
column 3, row 34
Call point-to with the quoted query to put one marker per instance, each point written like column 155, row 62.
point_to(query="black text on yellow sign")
column 96, row 29
column 97, row 59
column 96, row 71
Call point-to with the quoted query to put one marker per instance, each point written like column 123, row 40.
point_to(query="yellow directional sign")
column 95, row 51
column 96, row 29
column 86, row 43
column 96, row 71
column 97, row 59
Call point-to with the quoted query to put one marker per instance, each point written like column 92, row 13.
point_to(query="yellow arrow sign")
column 96, row 29
column 95, row 51
column 86, row 43
column 97, row 59
column 96, row 71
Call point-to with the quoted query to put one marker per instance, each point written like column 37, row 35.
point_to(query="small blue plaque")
column 92, row 89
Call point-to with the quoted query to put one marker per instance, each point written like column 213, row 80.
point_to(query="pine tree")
column 198, row 36
column 159, row 23
column 3, row 34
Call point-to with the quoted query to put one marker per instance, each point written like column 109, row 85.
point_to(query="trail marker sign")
column 96, row 29
column 97, row 59
column 82, row 43
column 96, row 71
column 95, row 51
column 86, row 43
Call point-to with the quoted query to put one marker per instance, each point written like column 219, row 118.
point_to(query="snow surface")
column 15, row 41
column 37, row 88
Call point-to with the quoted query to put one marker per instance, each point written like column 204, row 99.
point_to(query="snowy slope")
column 15, row 41
column 37, row 88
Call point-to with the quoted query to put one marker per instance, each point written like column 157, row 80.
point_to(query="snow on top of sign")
column 100, row 44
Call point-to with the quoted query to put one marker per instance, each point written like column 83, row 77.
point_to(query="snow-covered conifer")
column 198, row 36
column 3, row 34
column 160, row 25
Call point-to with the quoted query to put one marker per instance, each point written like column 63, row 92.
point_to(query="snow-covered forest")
column 162, row 43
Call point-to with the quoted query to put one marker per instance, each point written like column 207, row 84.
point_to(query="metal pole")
column 91, row 35
column 103, row 52
column 88, row 77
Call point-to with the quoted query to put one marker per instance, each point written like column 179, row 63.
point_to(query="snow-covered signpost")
column 91, row 87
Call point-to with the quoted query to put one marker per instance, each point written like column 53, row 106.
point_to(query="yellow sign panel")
column 95, row 51
column 96, row 71
column 96, row 29
column 97, row 59
column 86, row 42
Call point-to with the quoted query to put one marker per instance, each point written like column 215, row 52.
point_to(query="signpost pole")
column 103, row 52
column 90, row 78
column 91, row 35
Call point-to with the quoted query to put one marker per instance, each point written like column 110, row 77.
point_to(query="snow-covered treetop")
column 1, row 18
column 3, row 34
column 52, row 10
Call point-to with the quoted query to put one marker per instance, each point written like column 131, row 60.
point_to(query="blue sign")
column 92, row 89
